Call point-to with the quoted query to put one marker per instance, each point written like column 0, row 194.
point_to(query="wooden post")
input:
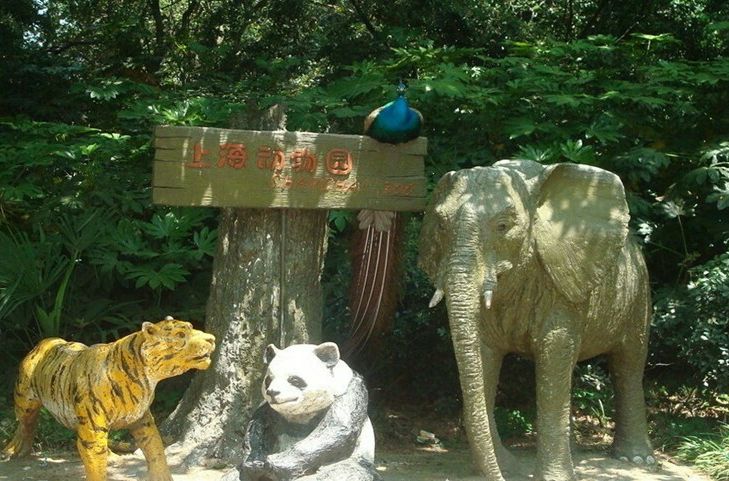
column 265, row 289
column 266, row 285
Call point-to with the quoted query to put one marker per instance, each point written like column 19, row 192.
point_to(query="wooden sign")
column 245, row 168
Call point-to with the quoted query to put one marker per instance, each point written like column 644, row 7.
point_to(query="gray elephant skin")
column 537, row 260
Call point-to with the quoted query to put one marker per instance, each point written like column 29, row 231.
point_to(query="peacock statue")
column 378, row 239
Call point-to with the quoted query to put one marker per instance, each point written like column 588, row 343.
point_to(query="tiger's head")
column 171, row 347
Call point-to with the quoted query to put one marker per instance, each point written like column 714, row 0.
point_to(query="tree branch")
column 591, row 24
column 186, row 17
column 159, row 29
column 366, row 21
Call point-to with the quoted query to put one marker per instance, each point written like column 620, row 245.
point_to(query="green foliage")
column 692, row 323
column 709, row 452
column 512, row 423
column 88, row 257
column 592, row 392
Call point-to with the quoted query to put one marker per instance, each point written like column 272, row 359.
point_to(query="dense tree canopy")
column 640, row 88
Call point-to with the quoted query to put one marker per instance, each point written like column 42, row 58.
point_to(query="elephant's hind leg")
column 631, row 429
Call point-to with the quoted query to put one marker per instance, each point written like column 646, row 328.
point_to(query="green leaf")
column 576, row 152
column 339, row 219
column 168, row 276
column 720, row 196
column 206, row 241
column 605, row 130
column 537, row 154
column 673, row 209
column 718, row 26
column 566, row 100
column 45, row 322
column 519, row 126
column 663, row 37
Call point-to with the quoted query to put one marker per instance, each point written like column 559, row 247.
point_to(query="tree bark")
column 265, row 289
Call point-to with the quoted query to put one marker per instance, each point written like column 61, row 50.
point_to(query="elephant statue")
column 537, row 260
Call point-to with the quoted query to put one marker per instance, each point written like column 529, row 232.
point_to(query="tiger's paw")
column 15, row 449
column 160, row 476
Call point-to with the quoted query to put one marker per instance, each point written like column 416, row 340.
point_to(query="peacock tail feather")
column 376, row 262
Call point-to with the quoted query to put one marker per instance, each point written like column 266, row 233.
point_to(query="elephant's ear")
column 529, row 170
column 580, row 226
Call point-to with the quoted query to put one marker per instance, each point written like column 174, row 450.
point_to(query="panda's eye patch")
column 267, row 381
column 297, row 382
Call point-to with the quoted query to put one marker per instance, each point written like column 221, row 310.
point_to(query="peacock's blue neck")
column 394, row 122
column 400, row 107
column 398, row 114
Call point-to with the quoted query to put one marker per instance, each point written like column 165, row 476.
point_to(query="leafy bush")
column 709, row 452
column 692, row 323
column 512, row 423
column 592, row 392
column 86, row 254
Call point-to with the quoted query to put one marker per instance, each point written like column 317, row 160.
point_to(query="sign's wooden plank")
column 368, row 164
column 417, row 146
column 203, row 197
column 276, row 191
column 218, row 167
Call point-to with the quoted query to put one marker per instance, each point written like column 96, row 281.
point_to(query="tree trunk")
column 265, row 289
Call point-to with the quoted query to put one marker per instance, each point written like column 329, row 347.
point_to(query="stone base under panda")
column 313, row 425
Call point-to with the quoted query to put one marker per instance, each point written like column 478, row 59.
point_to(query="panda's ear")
column 328, row 352
column 269, row 353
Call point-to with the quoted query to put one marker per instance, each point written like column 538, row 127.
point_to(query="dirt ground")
column 406, row 465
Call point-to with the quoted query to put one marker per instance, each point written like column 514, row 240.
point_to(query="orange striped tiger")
column 93, row 389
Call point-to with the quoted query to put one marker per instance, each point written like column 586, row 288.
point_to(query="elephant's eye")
column 502, row 227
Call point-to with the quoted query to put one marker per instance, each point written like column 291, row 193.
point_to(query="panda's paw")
column 254, row 465
column 254, row 470
column 232, row 475
column 283, row 467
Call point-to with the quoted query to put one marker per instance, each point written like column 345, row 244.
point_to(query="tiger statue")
column 94, row 389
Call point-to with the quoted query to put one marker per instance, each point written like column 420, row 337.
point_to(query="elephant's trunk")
column 465, row 284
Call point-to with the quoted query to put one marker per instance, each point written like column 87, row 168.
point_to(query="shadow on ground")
column 410, row 465
column 456, row 466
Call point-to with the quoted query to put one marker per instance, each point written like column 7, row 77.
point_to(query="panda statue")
column 313, row 423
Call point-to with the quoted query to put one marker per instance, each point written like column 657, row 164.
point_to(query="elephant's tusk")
column 437, row 297
column 488, row 295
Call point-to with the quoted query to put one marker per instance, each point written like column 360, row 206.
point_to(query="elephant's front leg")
column 148, row 439
column 492, row 361
column 555, row 360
